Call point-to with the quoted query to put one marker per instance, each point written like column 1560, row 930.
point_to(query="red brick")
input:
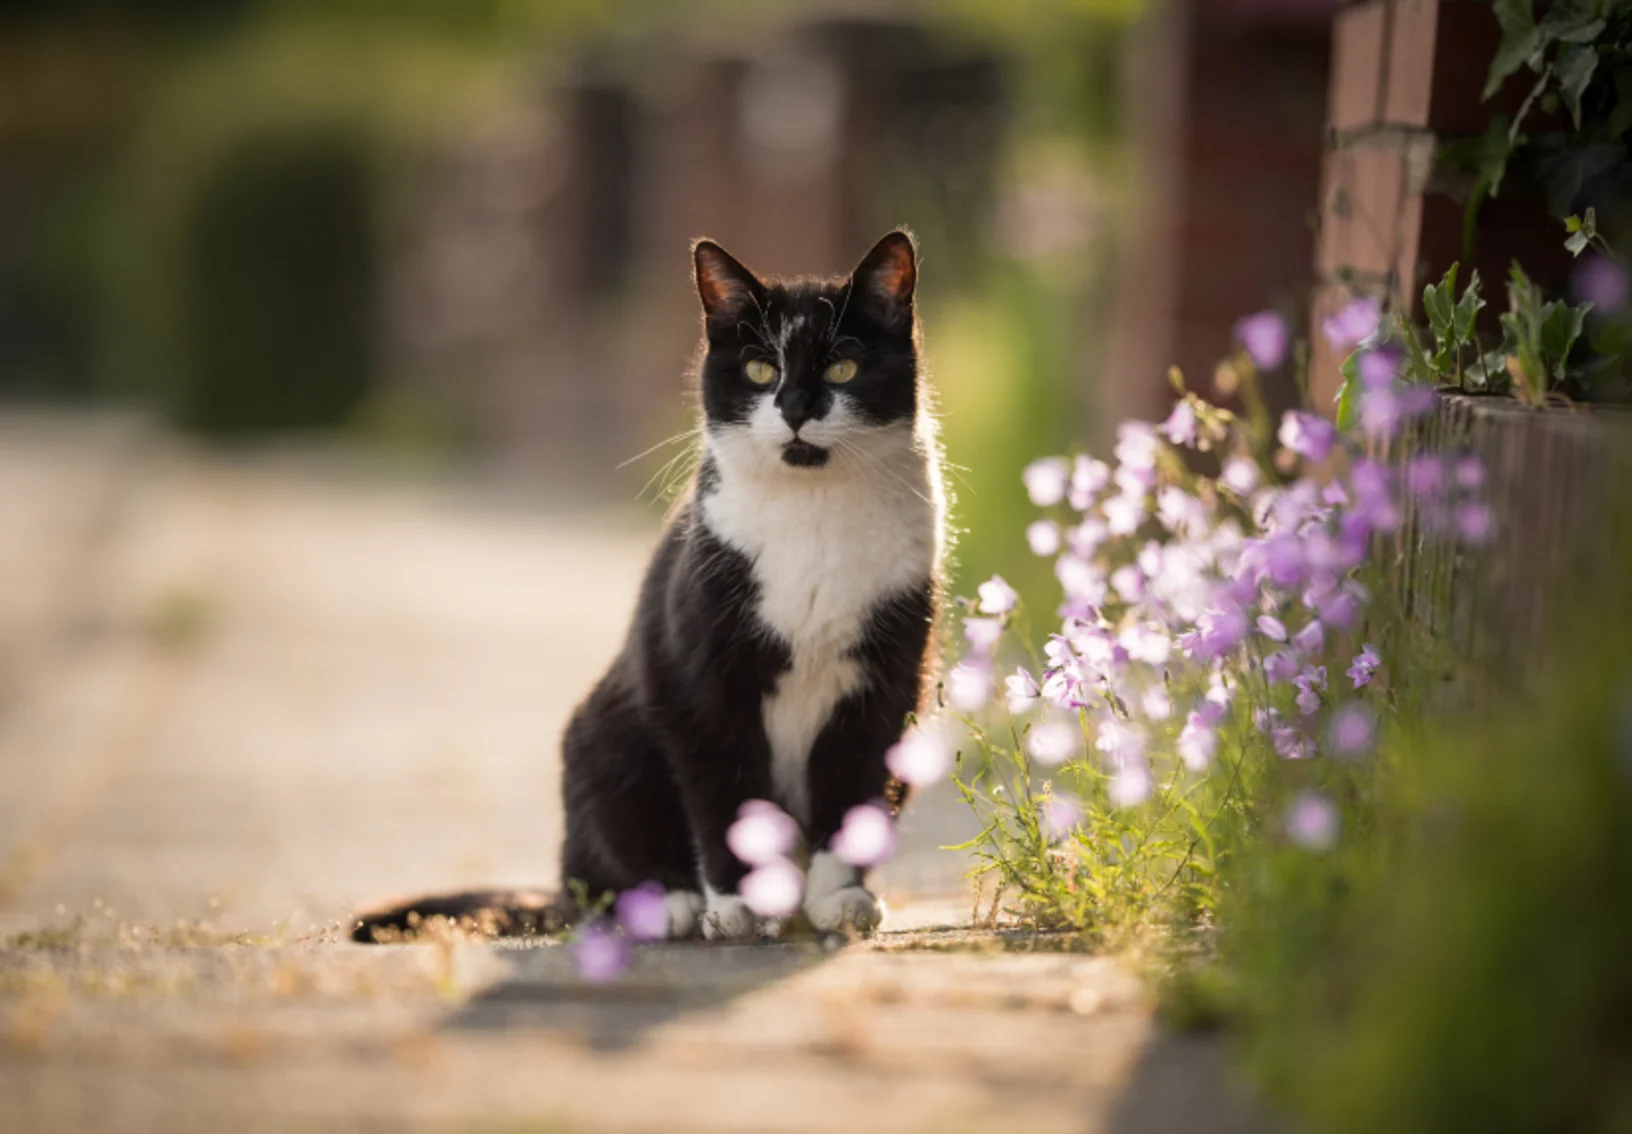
column 1362, row 209
column 1358, row 36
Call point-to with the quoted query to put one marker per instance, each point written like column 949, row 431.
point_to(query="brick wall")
column 1407, row 75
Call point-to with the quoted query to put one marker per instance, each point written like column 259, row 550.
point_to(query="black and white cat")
column 782, row 635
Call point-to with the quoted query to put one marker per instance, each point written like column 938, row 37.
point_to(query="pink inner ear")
column 892, row 279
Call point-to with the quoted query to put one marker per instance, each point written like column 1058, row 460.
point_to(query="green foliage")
column 1461, row 967
column 1581, row 54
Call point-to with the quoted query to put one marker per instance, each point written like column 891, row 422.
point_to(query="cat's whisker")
column 877, row 465
column 685, row 434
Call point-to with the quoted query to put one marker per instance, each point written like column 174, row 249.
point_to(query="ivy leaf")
column 1570, row 21
column 1560, row 327
column 1467, row 309
column 1562, row 169
column 1520, row 41
column 1348, row 395
column 1576, row 244
column 1437, row 303
column 1573, row 71
column 1620, row 119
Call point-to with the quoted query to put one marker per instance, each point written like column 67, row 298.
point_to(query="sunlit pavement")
column 241, row 698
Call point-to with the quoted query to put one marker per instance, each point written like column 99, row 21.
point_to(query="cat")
column 782, row 636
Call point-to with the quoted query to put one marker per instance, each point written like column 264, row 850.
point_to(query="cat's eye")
column 760, row 373
column 841, row 371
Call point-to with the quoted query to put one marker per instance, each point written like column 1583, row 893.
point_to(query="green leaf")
column 1520, row 41
column 1572, row 224
column 1620, row 119
column 1573, row 71
column 1437, row 302
column 1577, row 244
column 1467, row 309
column 1570, row 21
column 1560, row 327
column 1348, row 396
column 1562, row 169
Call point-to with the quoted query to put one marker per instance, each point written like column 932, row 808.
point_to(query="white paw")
column 685, row 908
column 729, row 918
column 851, row 908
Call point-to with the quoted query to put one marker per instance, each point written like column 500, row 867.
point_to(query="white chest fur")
column 827, row 544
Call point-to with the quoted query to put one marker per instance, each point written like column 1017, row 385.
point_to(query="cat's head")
column 801, row 371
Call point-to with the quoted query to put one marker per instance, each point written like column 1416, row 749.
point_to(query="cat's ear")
column 726, row 288
column 883, row 282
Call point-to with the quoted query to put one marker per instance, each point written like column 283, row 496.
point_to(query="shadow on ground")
column 542, row 993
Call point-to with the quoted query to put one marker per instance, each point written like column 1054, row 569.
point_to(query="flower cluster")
column 1190, row 598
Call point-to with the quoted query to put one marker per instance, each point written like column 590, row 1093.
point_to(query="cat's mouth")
column 804, row 455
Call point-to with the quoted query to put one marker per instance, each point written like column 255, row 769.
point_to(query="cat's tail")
column 486, row 913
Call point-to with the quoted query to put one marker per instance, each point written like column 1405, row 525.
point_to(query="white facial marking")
column 827, row 545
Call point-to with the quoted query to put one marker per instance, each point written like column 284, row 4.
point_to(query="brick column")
column 1407, row 75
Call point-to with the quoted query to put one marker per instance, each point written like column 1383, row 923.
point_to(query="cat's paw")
column 728, row 918
column 685, row 910
column 845, row 910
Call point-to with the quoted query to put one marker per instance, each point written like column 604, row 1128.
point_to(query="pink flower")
column 1240, row 476
column 643, row 912
column 1475, row 523
column 1022, row 691
column 1307, row 435
column 1197, row 743
column 1130, row 785
column 1352, row 729
column 1264, row 337
column 996, row 596
column 1364, row 666
column 921, row 757
column 969, row 687
column 600, row 952
column 762, row 833
column 867, row 837
column 1180, row 426
column 1054, row 741
column 1045, row 480
column 982, row 634
column 1602, row 282
column 1061, row 815
column 1272, row 628
column 773, row 889
column 1044, row 537
column 1353, row 324
column 1312, row 822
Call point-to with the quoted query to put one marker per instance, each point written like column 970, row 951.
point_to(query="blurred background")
column 336, row 337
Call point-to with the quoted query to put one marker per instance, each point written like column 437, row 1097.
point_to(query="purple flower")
column 1425, row 475
column 773, row 889
column 1088, row 479
column 1470, row 473
column 1220, row 632
column 1044, row 537
column 1180, row 426
column 1311, row 640
column 1053, row 741
column 643, row 912
column 1045, row 480
column 1475, row 523
column 1136, row 444
column 1307, row 435
column 982, row 634
column 1600, row 281
column 1291, row 743
column 1364, row 666
column 1264, row 337
column 1354, row 323
column 1080, row 579
column 1352, row 729
column 921, row 757
column 1240, row 476
column 1061, row 815
column 600, row 952
column 1022, row 691
column 1124, row 513
column 1130, row 785
column 1272, row 628
column 969, row 687
column 1378, row 368
column 1310, row 683
column 1197, row 743
column 1312, row 822
column 1282, row 666
column 1119, row 741
column 996, row 596
column 867, row 837
column 762, row 832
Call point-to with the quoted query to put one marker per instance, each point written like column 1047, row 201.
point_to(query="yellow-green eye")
column 841, row 371
column 760, row 373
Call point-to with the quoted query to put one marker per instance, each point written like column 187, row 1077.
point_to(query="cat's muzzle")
column 804, row 455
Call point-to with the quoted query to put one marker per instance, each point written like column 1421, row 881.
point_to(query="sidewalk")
column 249, row 700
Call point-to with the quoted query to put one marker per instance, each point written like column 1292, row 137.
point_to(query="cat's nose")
column 797, row 406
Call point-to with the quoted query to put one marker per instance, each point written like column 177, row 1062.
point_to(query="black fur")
column 671, row 741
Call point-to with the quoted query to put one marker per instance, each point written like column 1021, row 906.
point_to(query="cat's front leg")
column 846, row 770
column 713, row 792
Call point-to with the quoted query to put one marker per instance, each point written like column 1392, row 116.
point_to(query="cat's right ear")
column 728, row 290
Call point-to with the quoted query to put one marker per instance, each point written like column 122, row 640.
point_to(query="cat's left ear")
column 884, row 281
column 726, row 288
